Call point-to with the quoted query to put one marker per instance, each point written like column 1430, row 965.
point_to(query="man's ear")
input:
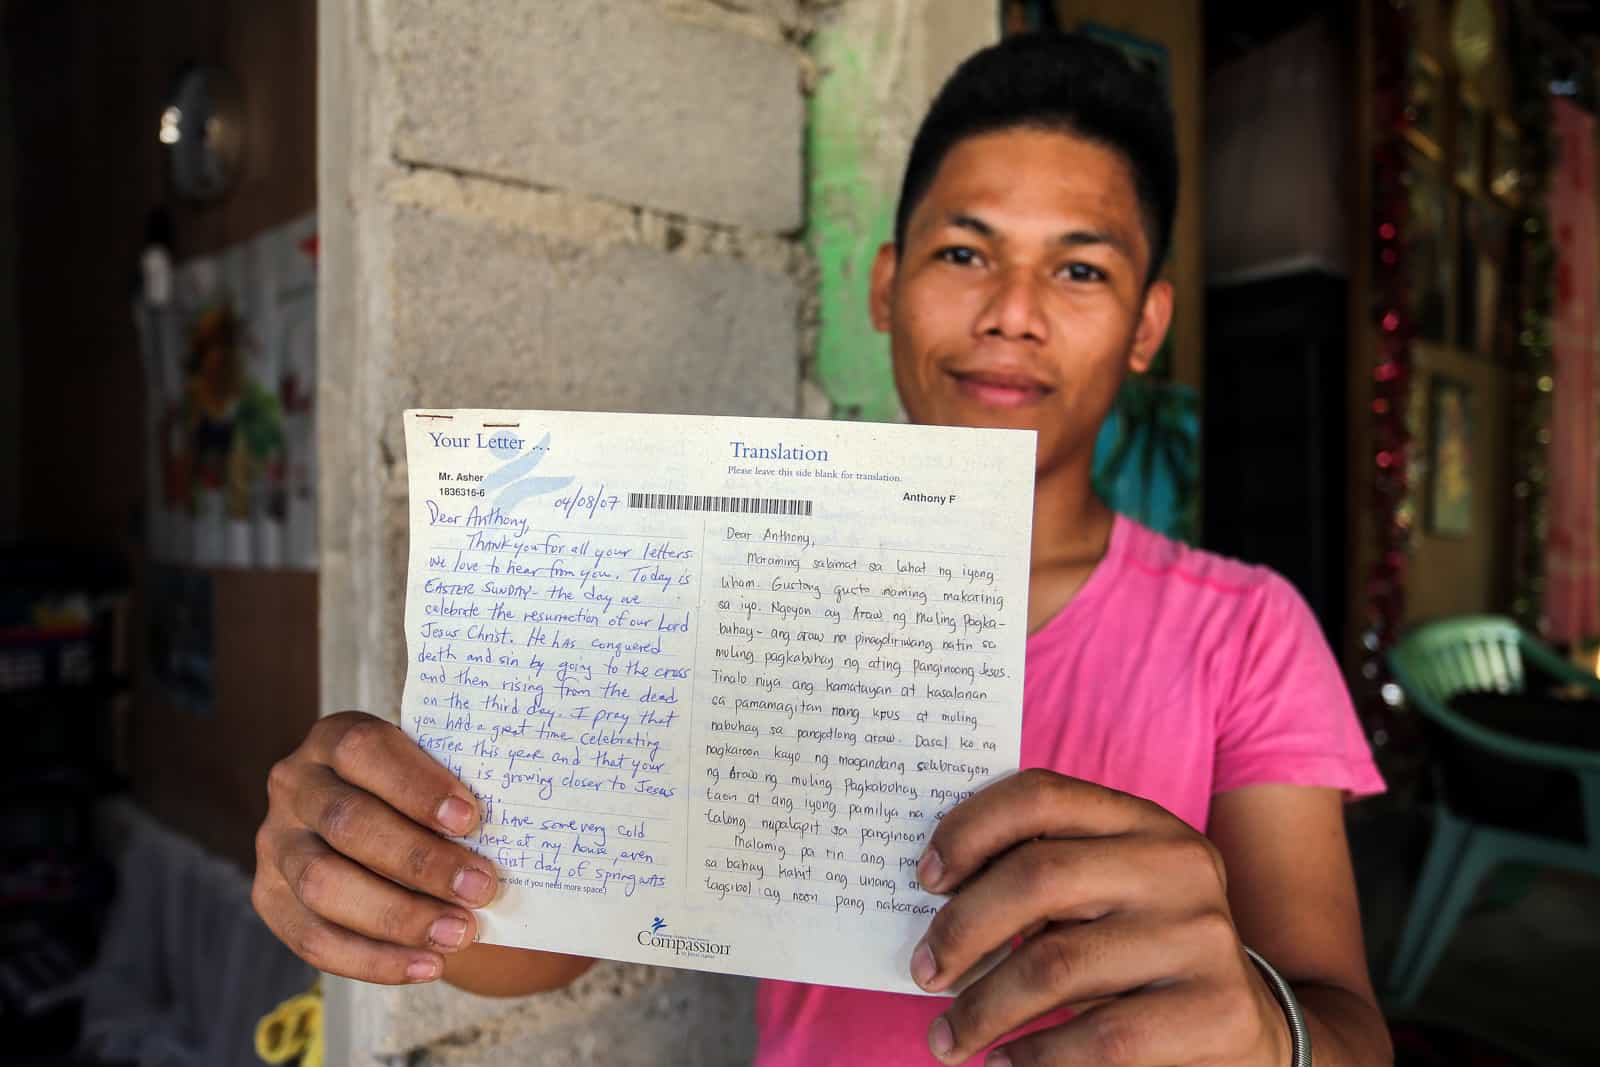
column 1154, row 319
column 880, row 295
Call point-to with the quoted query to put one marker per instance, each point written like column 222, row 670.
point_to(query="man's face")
column 1019, row 297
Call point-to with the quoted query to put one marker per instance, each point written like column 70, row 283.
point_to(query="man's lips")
column 999, row 389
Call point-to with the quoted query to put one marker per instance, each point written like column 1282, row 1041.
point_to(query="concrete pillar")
column 536, row 203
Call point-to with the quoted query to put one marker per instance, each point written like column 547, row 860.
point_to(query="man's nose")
column 1015, row 309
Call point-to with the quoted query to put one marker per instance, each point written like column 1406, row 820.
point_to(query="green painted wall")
column 850, row 208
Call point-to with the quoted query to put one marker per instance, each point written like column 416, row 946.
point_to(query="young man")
column 1189, row 740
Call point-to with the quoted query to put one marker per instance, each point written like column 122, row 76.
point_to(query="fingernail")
column 940, row 1038
column 473, row 886
column 998, row 1058
column 930, row 869
column 448, row 932
column 923, row 967
column 455, row 815
column 423, row 970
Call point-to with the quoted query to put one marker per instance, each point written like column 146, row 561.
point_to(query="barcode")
column 744, row 505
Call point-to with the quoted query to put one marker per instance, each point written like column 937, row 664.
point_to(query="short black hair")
column 1055, row 81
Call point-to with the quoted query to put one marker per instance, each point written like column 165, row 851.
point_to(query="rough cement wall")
column 536, row 203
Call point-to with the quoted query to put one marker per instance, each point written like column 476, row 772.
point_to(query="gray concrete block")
column 785, row 13
column 480, row 308
column 611, row 98
column 486, row 316
column 415, row 1017
column 676, row 1017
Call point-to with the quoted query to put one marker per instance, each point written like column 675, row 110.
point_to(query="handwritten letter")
column 715, row 680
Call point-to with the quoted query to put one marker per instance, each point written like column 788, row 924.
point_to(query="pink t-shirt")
column 1174, row 674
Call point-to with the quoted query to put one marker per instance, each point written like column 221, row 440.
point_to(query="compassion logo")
column 679, row 946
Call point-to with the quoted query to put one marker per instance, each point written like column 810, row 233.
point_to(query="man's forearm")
column 1346, row 1031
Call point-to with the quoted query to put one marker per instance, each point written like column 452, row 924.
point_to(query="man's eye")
column 959, row 255
column 1083, row 272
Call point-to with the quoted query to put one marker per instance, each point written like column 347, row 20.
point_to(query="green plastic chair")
column 1433, row 664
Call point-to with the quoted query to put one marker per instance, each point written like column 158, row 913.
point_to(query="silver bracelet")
column 1299, row 1035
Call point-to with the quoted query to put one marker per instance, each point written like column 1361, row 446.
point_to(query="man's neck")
column 1071, row 530
column 1070, row 523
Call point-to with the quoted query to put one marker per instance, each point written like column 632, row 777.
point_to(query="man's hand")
column 353, row 871
column 1122, row 912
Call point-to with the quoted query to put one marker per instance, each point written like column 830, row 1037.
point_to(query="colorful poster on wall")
column 230, row 369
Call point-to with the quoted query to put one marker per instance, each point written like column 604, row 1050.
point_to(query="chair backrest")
column 1485, row 654
column 1474, row 653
